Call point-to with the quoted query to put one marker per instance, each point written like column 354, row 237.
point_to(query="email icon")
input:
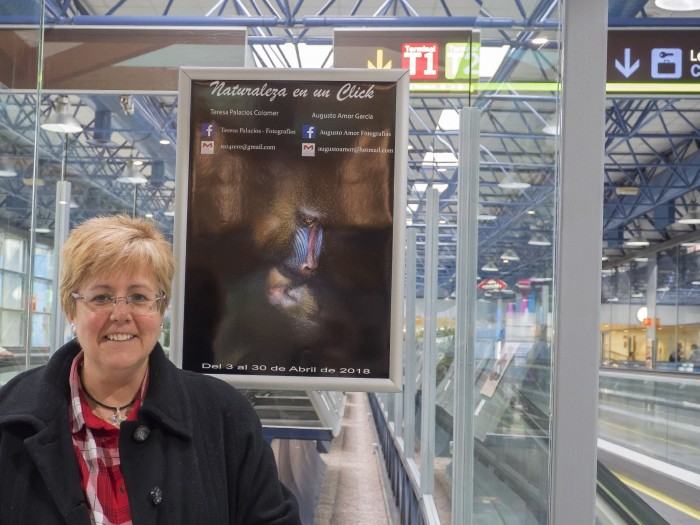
column 207, row 147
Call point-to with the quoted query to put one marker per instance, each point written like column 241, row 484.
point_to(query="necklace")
column 117, row 417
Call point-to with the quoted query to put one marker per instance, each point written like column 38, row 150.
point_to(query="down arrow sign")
column 627, row 69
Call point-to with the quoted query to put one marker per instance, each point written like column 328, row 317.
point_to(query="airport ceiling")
column 652, row 162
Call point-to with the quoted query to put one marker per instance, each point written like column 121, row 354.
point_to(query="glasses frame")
column 114, row 299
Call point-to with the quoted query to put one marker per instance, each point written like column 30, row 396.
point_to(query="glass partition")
column 19, row 180
column 518, row 177
column 650, row 312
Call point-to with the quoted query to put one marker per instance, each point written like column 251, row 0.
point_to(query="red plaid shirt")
column 96, row 446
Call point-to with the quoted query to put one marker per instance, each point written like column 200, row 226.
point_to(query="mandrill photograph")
column 290, row 229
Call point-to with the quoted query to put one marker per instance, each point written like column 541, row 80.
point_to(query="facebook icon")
column 308, row 131
column 207, row 130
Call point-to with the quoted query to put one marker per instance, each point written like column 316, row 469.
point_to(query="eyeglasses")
column 137, row 303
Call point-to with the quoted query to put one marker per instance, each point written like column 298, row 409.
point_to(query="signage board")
column 438, row 60
column 120, row 59
column 492, row 285
column 653, row 61
column 289, row 227
column 498, row 369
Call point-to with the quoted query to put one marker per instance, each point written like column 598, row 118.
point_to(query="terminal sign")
column 438, row 60
column 653, row 61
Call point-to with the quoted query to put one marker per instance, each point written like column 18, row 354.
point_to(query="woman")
column 110, row 431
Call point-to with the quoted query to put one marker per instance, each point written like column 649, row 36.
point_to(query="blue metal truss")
column 646, row 148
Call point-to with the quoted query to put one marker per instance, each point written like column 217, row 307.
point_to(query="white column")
column 578, row 264
column 465, row 334
column 428, row 394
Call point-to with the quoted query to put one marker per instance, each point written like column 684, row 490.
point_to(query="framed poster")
column 289, row 232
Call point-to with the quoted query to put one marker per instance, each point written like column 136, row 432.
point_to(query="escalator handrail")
column 624, row 500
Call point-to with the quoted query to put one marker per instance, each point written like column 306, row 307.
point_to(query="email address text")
column 248, row 147
column 354, row 149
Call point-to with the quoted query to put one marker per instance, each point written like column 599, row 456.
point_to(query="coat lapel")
column 60, row 475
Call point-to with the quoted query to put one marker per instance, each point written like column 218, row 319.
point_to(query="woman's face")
column 116, row 340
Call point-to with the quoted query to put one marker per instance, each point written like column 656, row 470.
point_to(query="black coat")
column 194, row 456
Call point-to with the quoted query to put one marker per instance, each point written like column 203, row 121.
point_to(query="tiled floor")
column 354, row 491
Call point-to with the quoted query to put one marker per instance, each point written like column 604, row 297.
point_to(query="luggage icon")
column 666, row 68
column 666, row 63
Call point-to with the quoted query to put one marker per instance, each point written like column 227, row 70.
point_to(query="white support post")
column 577, row 271
column 427, row 442
column 409, row 387
column 465, row 330
column 62, row 225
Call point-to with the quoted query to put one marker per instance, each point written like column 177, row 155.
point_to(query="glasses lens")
column 136, row 303
column 141, row 304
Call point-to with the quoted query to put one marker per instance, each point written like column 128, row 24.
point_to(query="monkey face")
column 302, row 260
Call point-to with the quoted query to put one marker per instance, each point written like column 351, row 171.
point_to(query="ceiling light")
column 132, row 179
column 6, row 168
column 637, row 295
column 510, row 183
column 487, row 216
column 510, row 255
column 538, row 239
column 627, row 190
column 678, row 5
column 641, row 259
column 489, row 267
column 164, row 141
column 132, row 176
column 551, row 128
column 42, row 230
column 61, row 121
column 636, row 241
column 540, row 40
column 692, row 216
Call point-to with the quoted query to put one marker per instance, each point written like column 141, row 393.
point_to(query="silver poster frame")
column 187, row 76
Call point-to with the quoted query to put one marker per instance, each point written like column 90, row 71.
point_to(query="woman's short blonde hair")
column 108, row 245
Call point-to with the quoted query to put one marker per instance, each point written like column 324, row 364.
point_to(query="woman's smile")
column 119, row 337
